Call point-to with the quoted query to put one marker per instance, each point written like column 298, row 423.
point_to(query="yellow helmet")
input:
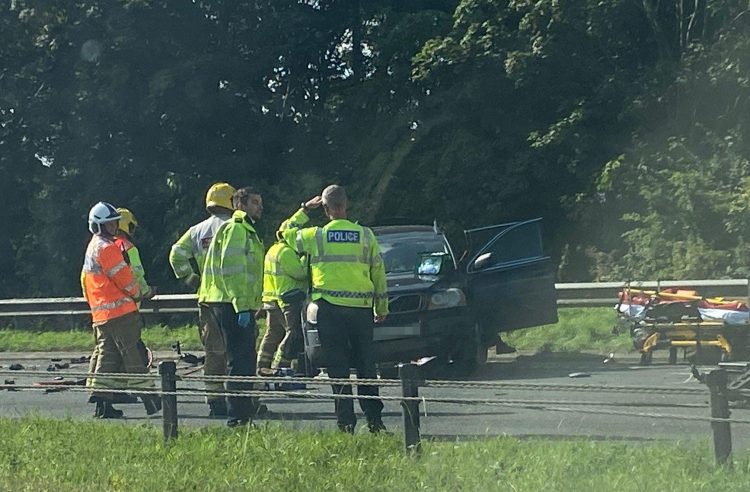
column 127, row 223
column 220, row 195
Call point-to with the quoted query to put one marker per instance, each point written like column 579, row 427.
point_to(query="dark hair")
column 240, row 196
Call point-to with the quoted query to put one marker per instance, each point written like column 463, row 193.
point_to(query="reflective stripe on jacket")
column 193, row 245
column 345, row 262
column 107, row 280
column 133, row 257
column 283, row 270
column 233, row 268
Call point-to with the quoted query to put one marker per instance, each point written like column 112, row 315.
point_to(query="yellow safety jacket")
column 345, row 262
column 189, row 252
column 283, row 271
column 133, row 258
column 233, row 268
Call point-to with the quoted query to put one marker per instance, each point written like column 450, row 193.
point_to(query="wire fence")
column 410, row 382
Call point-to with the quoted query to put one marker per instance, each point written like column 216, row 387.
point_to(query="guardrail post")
column 409, row 374
column 168, row 372
column 717, row 385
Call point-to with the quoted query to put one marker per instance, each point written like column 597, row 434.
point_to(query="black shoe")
column 261, row 410
column 235, row 422
column 503, row 348
column 376, row 426
column 125, row 398
column 346, row 428
column 152, row 403
column 105, row 410
column 217, row 408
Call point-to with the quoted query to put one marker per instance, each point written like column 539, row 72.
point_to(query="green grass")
column 43, row 454
column 577, row 329
column 157, row 337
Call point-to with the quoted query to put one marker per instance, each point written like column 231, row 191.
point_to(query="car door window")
column 476, row 239
column 520, row 242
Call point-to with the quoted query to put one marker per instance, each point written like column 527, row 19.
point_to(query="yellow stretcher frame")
column 684, row 334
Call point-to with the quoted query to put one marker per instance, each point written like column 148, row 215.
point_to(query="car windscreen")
column 401, row 250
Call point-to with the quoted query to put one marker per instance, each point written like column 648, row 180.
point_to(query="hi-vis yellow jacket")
column 283, row 271
column 233, row 268
column 345, row 262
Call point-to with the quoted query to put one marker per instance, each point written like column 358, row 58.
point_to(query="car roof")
column 395, row 229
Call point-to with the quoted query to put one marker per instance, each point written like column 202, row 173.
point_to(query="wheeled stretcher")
column 712, row 329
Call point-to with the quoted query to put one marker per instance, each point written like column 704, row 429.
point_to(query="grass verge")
column 577, row 329
column 44, row 454
column 157, row 337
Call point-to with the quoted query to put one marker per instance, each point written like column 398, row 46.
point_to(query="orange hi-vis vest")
column 107, row 280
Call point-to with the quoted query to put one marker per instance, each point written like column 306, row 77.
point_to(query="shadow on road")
column 551, row 365
column 540, row 366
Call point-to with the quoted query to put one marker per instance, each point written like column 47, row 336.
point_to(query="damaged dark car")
column 453, row 305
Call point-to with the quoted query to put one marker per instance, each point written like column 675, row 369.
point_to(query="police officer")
column 231, row 287
column 186, row 258
column 284, row 291
column 349, row 292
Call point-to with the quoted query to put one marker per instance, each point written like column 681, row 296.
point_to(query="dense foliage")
column 623, row 123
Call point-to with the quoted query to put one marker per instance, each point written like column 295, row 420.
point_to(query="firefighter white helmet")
column 101, row 213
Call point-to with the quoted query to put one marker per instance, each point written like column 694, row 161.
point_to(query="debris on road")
column 192, row 359
column 59, row 383
column 579, row 375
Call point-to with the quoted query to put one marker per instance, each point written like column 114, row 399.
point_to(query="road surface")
column 453, row 421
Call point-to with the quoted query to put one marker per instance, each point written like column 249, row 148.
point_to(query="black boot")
column 346, row 428
column 105, row 410
column 235, row 422
column 376, row 426
column 152, row 403
column 503, row 348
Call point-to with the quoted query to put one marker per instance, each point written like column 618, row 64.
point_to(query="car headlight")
column 447, row 299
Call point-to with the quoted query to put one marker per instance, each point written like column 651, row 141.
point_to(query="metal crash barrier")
column 73, row 311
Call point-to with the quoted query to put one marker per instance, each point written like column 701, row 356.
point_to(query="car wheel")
column 471, row 355
column 310, row 369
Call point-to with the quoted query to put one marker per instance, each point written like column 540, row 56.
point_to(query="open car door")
column 511, row 283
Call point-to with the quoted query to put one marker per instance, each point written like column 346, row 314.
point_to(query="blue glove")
column 244, row 318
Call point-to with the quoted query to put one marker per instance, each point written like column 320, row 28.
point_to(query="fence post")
column 717, row 385
column 409, row 374
column 168, row 372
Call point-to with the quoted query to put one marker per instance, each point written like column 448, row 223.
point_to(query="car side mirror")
column 431, row 263
column 482, row 261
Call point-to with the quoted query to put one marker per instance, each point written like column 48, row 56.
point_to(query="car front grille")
column 405, row 303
